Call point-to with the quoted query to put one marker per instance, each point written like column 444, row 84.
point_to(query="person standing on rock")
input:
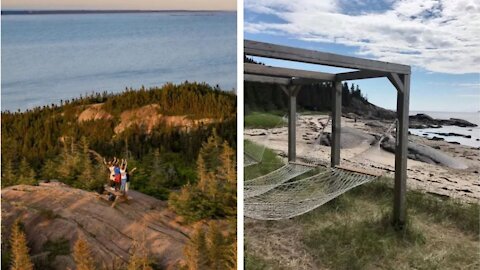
column 118, row 176
column 129, row 176
column 123, row 175
column 111, row 168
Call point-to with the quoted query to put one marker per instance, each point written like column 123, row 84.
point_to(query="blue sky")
column 439, row 39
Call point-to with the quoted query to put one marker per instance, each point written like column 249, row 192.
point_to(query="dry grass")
column 354, row 232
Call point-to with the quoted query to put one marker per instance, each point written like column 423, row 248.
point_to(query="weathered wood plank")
column 255, row 48
column 336, row 123
column 359, row 75
column 292, row 91
column 396, row 81
column 400, row 189
column 286, row 72
column 266, row 79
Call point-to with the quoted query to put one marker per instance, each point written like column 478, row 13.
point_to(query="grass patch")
column 263, row 120
column 56, row 248
column 356, row 245
column 354, row 231
column 269, row 161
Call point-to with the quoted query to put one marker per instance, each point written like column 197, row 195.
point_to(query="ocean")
column 47, row 58
column 473, row 117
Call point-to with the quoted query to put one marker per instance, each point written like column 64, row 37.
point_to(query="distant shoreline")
column 54, row 12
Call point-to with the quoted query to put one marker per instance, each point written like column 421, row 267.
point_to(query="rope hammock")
column 267, row 182
column 286, row 192
column 253, row 152
column 297, row 197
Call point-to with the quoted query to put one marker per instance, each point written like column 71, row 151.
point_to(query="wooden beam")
column 261, row 49
column 401, row 154
column 267, row 79
column 336, row 123
column 292, row 91
column 359, row 75
column 396, row 81
column 286, row 72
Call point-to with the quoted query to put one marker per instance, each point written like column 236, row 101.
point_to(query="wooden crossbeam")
column 267, row 79
column 261, row 49
column 286, row 72
column 359, row 75
column 396, row 81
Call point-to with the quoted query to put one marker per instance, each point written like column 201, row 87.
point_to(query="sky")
column 439, row 38
column 121, row 4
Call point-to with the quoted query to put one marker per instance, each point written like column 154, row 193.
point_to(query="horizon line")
column 86, row 11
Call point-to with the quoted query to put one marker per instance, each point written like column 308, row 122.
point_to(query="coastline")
column 439, row 179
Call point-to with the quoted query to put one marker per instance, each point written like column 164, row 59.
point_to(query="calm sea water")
column 46, row 58
column 473, row 117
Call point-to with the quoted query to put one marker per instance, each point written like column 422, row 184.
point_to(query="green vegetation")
column 270, row 161
column 20, row 257
column 214, row 194
column 50, row 142
column 354, row 231
column 260, row 97
column 263, row 120
column 209, row 248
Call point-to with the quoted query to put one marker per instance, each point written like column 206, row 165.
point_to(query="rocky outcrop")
column 425, row 154
column 94, row 112
column 349, row 138
column 421, row 120
column 52, row 213
column 149, row 117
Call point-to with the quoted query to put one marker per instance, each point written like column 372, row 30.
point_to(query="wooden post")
column 401, row 152
column 336, row 123
column 292, row 91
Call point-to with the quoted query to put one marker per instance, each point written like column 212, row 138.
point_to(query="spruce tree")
column 196, row 255
column 83, row 255
column 216, row 247
column 49, row 170
column 26, row 175
column 18, row 242
column 8, row 173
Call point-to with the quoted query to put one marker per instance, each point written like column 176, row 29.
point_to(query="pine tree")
column 26, row 175
column 83, row 255
column 87, row 175
column 49, row 170
column 228, row 169
column 8, row 173
column 196, row 250
column 18, row 241
column 216, row 248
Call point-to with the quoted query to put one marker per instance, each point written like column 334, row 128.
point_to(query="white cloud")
column 437, row 35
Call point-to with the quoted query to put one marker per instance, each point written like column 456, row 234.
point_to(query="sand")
column 461, row 180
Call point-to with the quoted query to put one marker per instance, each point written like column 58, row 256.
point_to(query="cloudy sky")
column 121, row 4
column 439, row 38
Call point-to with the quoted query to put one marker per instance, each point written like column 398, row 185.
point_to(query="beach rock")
column 449, row 134
column 349, row 138
column 421, row 120
column 425, row 153
column 435, row 138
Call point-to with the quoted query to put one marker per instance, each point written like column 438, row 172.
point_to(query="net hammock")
column 253, row 152
column 283, row 193
column 264, row 183
column 297, row 197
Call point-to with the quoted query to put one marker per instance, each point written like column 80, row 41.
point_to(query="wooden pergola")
column 290, row 80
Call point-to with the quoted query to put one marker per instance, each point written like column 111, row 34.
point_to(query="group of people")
column 119, row 175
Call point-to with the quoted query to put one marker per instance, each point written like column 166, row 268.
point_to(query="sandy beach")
column 461, row 180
